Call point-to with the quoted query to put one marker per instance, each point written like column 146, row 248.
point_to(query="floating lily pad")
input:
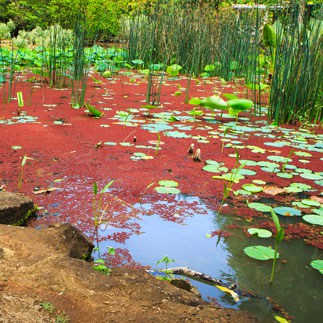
column 293, row 189
column 247, row 172
column 318, row 265
column 230, row 177
column 302, row 186
column 213, row 168
column 310, row 202
column 110, row 143
column 260, row 207
column 279, row 159
column 313, row 219
column 261, row 233
column 242, row 192
column 176, row 134
column 302, row 153
column 252, row 188
column 167, row 190
column 284, row 175
column 300, row 205
column 259, row 182
column 287, row 211
column 212, row 162
column 311, row 176
column 318, row 211
column 16, row 147
column 260, row 252
column 168, row 183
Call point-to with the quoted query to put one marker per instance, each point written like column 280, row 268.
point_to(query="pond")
column 297, row 287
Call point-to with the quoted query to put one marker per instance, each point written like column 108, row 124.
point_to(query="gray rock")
column 15, row 208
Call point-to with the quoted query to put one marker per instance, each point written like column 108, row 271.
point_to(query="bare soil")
column 39, row 282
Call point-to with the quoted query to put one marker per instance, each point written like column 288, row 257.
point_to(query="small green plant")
column 157, row 144
column 278, row 239
column 60, row 317
column 100, row 264
column 20, row 101
column 287, row 159
column 167, row 273
column 227, row 187
column 97, row 205
column 49, row 307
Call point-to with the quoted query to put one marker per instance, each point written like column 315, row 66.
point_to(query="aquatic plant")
column 167, row 274
column 279, row 237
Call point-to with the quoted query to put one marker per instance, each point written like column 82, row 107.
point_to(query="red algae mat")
column 68, row 151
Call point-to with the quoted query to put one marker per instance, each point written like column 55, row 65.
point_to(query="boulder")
column 15, row 208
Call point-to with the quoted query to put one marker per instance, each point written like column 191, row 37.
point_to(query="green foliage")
column 167, row 274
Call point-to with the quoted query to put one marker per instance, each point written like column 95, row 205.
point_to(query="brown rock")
column 15, row 208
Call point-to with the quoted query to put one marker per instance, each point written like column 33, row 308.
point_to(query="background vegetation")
column 279, row 48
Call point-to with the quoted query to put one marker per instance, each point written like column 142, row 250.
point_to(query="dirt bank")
column 40, row 282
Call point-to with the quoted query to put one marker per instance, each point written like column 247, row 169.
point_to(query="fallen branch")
column 185, row 271
column 231, row 289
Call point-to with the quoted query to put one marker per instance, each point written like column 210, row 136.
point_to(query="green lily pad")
column 247, row 162
column 259, row 182
column 318, row 211
column 242, row 192
column 313, row 219
column 176, row 134
column 311, row 176
column 302, row 153
column 260, row 207
column 318, row 265
column 302, row 186
column 252, row 188
column 212, row 162
column 167, row 190
column 260, row 252
column 247, row 172
column 261, row 233
column 287, row 211
column 284, row 175
column 310, row 202
column 240, row 104
column 16, row 147
column 213, row 168
column 230, row 177
column 214, row 102
column 279, row 159
column 293, row 189
column 168, row 183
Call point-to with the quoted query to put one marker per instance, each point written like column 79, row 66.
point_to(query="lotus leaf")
column 318, row 264
column 260, row 252
column 313, row 219
column 287, row 211
column 214, row 102
column 167, row 190
column 195, row 101
column 213, row 168
column 318, row 211
column 310, row 202
column 311, row 176
column 240, row 104
column 252, row 188
column 168, row 183
column 261, row 233
column 284, row 175
column 260, row 207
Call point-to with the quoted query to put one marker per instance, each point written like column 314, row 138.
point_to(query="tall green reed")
column 297, row 85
